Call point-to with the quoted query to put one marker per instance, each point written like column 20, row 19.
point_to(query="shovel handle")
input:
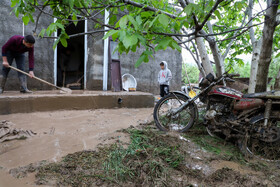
column 35, row 77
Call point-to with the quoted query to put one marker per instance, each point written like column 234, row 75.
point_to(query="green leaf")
column 63, row 42
column 16, row 11
column 163, row 44
column 115, row 36
column 50, row 29
column 110, row 33
column 148, row 52
column 155, row 19
column 140, row 60
column 130, row 41
column 188, row 9
column 278, row 55
column 141, row 38
column 132, row 20
column 74, row 19
column 113, row 19
column 176, row 46
column 71, row 3
column 55, row 43
column 59, row 25
column 123, row 22
column 25, row 19
column 122, row 35
column 239, row 5
column 42, row 33
column 139, row 20
column 163, row 19
column 146, row 14
column 217, row 13
column 14, row 3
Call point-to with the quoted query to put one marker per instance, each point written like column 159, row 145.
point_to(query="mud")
column 78, row 144
column 62, row 132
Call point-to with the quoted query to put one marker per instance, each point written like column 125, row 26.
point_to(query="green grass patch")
column 147, row 160
column 223, row 149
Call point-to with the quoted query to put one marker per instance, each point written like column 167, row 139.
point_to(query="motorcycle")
column 251, row 120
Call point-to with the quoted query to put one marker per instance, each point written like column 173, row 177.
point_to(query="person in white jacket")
column 164, row 77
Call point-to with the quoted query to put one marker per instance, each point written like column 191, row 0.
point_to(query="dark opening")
column 70, row 60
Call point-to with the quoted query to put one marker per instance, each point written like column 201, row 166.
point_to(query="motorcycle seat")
column 269, row 95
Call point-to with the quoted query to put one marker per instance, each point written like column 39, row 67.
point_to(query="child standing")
column 164, row 76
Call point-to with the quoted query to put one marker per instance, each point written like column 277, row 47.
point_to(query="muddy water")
column 60, row 133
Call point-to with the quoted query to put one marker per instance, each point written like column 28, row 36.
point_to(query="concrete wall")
column 146, row 74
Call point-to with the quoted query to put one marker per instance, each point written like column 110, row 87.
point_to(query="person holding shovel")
column 15, row 48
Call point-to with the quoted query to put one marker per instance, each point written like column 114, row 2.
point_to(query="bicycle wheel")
column 180, row 122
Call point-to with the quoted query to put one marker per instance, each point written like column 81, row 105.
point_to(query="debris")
column 7, row 132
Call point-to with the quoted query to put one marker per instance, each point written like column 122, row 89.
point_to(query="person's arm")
column 5, row 61
column 31, row 62
column 169, row 76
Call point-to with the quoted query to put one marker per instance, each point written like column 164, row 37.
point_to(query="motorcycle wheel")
column 180, row 122
column 258, row 147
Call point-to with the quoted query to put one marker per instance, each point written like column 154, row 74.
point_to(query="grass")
column 152, row 158
column 218, row 146
column 146, row 155
column 147, row 160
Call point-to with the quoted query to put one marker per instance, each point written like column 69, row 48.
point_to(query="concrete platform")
column 15, row 102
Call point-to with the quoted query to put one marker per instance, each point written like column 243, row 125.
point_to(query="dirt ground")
column 60, row 133
column 190, row 159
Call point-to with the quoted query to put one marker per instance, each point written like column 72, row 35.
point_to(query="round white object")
column 128, row 81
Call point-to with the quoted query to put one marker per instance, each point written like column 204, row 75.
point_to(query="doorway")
column 70, row 59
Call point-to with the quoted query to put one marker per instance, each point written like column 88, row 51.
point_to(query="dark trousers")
column 164, row 90
column 20, row 61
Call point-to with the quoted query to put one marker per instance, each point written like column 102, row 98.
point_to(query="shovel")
column 63, row 90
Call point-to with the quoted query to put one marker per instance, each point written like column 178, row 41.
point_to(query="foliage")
column 153, row 25
column 192, row 71
column 243, row 68
column 273, row 71
column 236, row 13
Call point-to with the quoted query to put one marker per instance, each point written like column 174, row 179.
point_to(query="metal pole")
column 22, row 29
column 105, row 58
column 55, row 59
column 86, row 56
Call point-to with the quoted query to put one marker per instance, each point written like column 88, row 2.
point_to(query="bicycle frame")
column 183, row 106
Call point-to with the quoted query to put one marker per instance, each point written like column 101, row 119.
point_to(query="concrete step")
column 14, row 102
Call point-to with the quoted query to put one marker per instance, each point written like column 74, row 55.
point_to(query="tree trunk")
column 254, row 65
column 204, row 56
column 266, row 49
column 216, row 53
column 201, row 46
column 277, row 81
column 256, row 51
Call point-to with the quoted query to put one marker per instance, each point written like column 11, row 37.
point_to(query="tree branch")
column 200, row 26
column 145, row 7
column 79, row 34
column 232, row 40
